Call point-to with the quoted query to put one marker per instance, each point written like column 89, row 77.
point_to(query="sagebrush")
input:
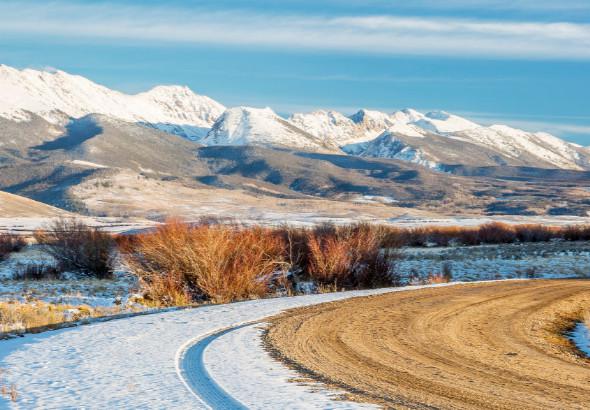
column 78, row 247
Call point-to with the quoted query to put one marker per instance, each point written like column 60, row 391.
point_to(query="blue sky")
column 522, row 62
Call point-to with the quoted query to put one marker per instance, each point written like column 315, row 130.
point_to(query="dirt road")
column 470, row 346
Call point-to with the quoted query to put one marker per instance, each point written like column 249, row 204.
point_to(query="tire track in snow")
column 194, row 374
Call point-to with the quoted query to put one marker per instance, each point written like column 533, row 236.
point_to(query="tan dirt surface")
column 475, row 346
column 14, row 206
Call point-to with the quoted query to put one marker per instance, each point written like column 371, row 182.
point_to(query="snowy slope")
column 262, row 126
column 388, row 145
column 444, row 123
column 516, row 143
column 333, row 126
column 396, row 135
column 55, row 95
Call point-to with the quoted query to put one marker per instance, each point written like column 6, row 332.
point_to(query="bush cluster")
column 490, row 233
column 78, row 247
column 10, row 243
column 180, row 263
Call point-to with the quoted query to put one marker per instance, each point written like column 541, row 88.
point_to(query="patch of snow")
column 493, row 262
column 580, row 335
column 387, row 145
column 258, row 374
column 87, row 164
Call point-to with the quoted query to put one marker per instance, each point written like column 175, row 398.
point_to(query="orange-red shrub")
column 350, row 257
column 221, row 263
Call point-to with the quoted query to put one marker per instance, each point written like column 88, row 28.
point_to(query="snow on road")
column 136, row 362
column 258, row 374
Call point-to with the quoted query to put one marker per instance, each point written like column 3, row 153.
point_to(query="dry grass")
column 179, row 263
column 38, row 316
column 7, row 391
column 78, row 247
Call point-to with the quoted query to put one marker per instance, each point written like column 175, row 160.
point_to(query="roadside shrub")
column 10, row 243
column 393, row 237
column 296, row 248
column 215, row 262
column 349, row 257
column 78, row 247
column 433, row 279
column 447, row 271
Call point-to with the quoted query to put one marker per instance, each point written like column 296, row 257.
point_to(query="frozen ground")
column 251, row 210
column 74, row 291
column 27, row 225
column 138, row 362
column 488, row 262
column 412, row 221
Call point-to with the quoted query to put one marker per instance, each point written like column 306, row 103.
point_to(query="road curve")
column 129, row 363
column 479, row 346
column 192, row 370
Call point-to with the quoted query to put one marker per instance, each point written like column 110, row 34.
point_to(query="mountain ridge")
column 58, row 98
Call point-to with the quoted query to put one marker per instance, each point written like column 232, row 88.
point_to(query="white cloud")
column 382, row 34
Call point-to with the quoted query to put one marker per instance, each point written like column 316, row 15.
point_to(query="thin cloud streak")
column 384, row 34
column 517, row 5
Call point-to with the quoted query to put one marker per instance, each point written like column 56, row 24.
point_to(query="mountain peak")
column 261, row 126
column 438, row 115
column 364, row 115
column 170, row 90
column 175, row 109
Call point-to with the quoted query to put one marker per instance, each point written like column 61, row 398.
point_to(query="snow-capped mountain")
column 333, row 126
column 57, row 95
column 387, row 145
column 431, row 139
column 416, row 137
column 515, row 143
column 262, row 126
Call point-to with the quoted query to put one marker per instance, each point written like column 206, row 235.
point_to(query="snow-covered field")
column 489, row 262
column 28, row 225
column 70, row 290
column 138, row 362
